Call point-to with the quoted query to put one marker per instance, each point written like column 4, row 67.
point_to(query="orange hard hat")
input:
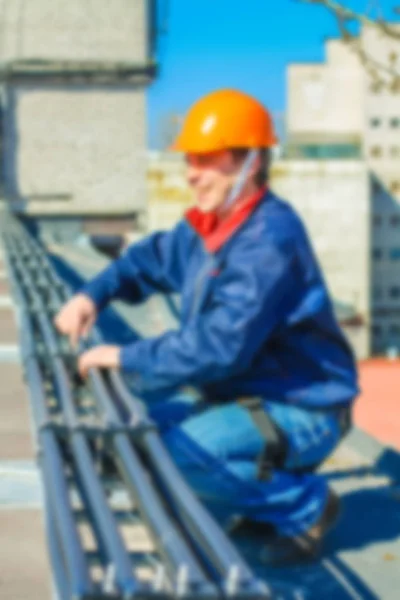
column 225, row 119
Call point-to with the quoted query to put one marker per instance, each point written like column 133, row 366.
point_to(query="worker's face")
column 211, row 177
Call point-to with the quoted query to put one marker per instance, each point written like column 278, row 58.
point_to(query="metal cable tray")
column 104, row 474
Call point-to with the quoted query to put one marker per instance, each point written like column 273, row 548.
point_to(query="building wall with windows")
column 382, row 153
column 382, row 113
column 385, row 267
column 366, row 118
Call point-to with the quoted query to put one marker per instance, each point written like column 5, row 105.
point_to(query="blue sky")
column 245, row 44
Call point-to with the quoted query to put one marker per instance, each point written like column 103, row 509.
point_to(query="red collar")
column 216, row 233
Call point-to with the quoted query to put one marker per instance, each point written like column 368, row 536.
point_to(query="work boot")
column 304, row 547
column 242, row 526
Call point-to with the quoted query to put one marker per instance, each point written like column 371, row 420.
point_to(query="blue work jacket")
column 256, row 317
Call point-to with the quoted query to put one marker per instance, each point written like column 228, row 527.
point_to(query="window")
column 386, row 312
column 394, row 291
column 395, row 220
column 394, row 254
column 394, row 330
column 376, row 151
column 377, row 330
column 395, row 122
column 377, row 220
column 376, row 187
column 382, row 312
column 323, row 151
column 395, row 151
column 395, row 187
column 377, row 293
column 375, row 122
column 377, row 253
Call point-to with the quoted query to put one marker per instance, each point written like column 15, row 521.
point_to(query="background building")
column 333, row 199
column 325, row 117
column 338, row 111
column 75, row 75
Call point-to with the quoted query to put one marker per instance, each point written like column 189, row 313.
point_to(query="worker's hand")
column 76, row 318
column 101, row 356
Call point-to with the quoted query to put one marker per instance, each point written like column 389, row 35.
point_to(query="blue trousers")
column 216, row 450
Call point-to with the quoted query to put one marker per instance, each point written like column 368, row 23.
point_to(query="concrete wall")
column 75, row 147
column 333, row 199
column 340, row 54
column 359, row 338
column 73, row 29
column 324, row 99
column 76, row 150
column 168, row 193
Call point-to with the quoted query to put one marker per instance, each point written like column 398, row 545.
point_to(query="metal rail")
column 197, row 560
column 178, row 556
column 97, row 503
column 61, row 522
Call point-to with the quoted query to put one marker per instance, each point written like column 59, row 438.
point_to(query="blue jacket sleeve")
column 251, row 296
column 155, row 264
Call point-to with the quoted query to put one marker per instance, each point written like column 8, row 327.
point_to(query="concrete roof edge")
column 385, row 458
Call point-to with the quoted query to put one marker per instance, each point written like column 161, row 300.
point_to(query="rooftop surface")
column 377, row 411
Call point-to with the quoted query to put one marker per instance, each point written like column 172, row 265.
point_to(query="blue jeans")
column 216, row 450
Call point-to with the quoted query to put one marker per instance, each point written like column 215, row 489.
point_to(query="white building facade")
column 337, row 111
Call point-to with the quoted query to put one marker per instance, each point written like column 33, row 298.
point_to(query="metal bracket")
column 106, row 430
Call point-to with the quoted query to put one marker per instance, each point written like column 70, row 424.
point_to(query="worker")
column 257, row 336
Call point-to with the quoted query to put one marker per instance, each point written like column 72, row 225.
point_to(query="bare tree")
column 382, row 74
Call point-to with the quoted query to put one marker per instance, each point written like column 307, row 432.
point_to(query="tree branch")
column 345, row 16
column 350, row 15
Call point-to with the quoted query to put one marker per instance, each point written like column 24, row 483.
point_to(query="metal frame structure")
column 95, row 438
